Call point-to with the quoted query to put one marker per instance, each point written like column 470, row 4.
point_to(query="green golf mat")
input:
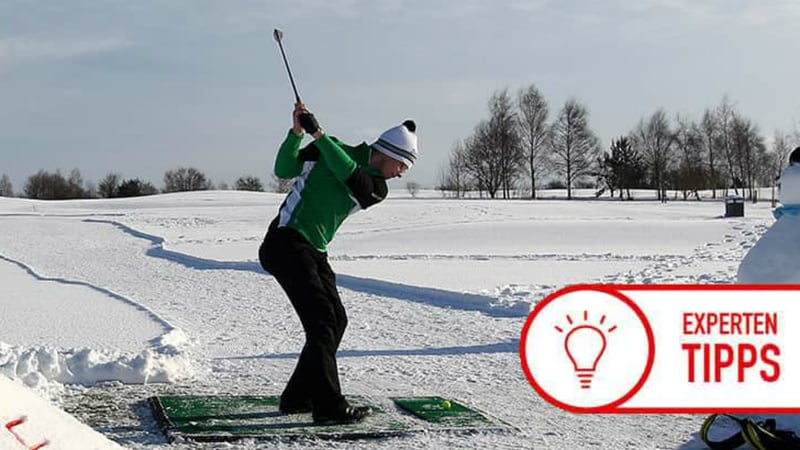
column 455, row 416
column 228, row 418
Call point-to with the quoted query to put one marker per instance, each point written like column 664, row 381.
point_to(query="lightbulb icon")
column 585, row 344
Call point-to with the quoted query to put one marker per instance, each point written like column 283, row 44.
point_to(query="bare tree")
column 504, row 129
column 482, row 160
column 726, row 112
column 453, row 177
column 777, row 161
column 747, row 153
column 443, row 183
column 43, row 186
column 533, row 129
column 53, row 186
column 710, row 135
column 6, row 188
column 76, row 186
column 183, row 179
column 690, row 175
column 654, row 139
column 492, row 155
column 574, row 146
column 109, row 185
column 458, row 169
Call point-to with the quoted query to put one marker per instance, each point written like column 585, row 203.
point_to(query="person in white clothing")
column 789, row 195
column 773, row 260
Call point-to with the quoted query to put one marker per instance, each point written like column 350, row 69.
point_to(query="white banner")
column 666, row 349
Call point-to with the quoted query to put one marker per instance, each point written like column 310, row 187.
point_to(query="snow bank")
column 29, row 421
column 519, row 298
column 166, row 361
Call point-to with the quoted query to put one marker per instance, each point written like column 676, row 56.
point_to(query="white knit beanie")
column 399, row 143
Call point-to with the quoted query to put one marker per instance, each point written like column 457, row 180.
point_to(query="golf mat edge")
column 227, row 418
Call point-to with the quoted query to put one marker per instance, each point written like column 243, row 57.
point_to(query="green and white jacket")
column 333, row 181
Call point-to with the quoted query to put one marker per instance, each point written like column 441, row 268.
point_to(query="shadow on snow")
column 424, row 295
column 500, row 347
column 155, row 317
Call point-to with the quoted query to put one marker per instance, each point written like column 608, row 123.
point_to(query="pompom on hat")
column 794, row 157
column 399, row 143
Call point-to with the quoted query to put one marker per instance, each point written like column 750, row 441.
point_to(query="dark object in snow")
column 763, row 435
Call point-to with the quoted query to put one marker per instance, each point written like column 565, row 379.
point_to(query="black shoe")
column 287, row 407
column 349, row 414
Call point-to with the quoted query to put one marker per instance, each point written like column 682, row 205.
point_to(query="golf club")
column 278, row 34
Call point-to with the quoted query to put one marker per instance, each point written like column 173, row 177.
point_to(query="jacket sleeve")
column 340, row 163
column 367, row 190
column 287, row 163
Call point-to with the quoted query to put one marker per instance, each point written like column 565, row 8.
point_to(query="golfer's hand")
column 299, row 108
column 309, row 123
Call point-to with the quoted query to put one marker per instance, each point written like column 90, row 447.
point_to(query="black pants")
column 304, row 273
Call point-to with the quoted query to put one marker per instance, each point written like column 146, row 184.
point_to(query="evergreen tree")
column 135, row 188
column 249, row 183
column 109, row 185
column 622, row 167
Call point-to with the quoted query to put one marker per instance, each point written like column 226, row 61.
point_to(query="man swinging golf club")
column 333, row 180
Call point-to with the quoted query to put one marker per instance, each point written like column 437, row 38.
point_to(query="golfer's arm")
column 365, row 189
column 340, row 163
column 287, row 163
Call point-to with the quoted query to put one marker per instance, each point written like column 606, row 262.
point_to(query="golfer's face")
column 394, row 168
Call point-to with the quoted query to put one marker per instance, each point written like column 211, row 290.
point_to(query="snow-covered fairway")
column 167, row 288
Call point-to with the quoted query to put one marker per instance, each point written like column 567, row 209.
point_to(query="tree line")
column 45, row 185
column 518, row 146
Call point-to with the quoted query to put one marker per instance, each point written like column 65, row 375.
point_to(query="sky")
column 139, row 88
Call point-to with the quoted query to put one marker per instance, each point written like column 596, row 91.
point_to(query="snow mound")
column 39, row 367
column 518, row 298
column 174, row 342
column 30, row 422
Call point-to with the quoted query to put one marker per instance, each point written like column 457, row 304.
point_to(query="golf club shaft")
column 288, row 70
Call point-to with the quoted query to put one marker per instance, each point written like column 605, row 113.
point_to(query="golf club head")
column 278, row 34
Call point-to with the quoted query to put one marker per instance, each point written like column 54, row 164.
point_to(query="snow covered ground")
column 107, row 302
